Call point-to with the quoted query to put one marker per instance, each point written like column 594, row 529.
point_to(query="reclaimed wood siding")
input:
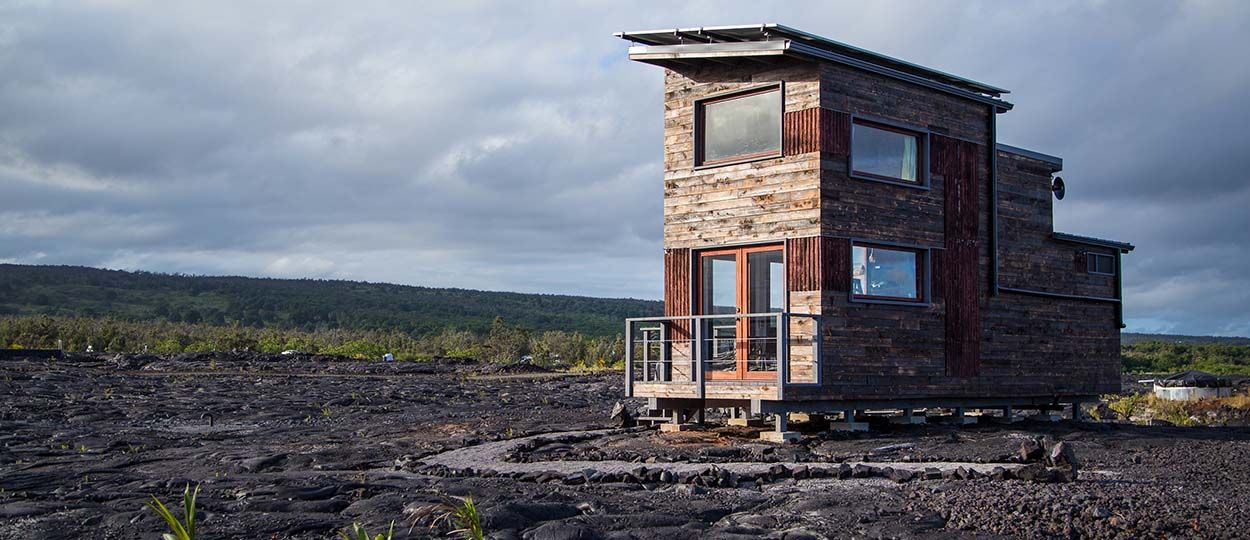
column 816, row 130
column 874, row 351
column 818, row 263
column 960, row 274
column 835, row 132
column 837, row 264
column 1067, row 346
column 767, row 200
column 1029, row 258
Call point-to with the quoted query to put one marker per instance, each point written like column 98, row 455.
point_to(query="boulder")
column 622, row 417
column 1061, row 455
column 560, row 531
column 1033, row 472
column 899, row 475
column 1031, row 450
column 863, row 471
column 844, row 471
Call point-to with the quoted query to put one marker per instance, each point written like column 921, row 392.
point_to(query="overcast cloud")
column 511, row 146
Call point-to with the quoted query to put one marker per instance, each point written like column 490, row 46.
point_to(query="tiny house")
column 843, row 232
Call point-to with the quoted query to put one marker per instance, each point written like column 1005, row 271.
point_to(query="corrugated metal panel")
column 957, row 162
column 677, row 286
column 803, row 268
column 801, row 131
column 816, row 129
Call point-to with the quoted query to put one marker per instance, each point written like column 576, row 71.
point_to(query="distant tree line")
column 1168, row 357
column 501, row 343
column 299, row 304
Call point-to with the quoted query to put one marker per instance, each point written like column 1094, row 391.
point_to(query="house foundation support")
column 848, row 423
column 742, row 418
column 908, row 417
column 1008, row 417
column 781, row 434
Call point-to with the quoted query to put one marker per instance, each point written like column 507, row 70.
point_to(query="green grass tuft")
column 357, row 532
column 179, row 530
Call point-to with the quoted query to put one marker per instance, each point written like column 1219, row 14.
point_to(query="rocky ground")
column 298, row 447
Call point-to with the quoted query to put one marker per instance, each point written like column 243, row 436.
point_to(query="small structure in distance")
column 1192, row 385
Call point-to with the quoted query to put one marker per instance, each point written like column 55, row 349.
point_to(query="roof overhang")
column 662, row 54
column 1124, row 247
column 685, row 47
column 1046, row 158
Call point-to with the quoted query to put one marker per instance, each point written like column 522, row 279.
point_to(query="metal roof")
column 1056, row 161
column 1077, row 239
column 772, row 32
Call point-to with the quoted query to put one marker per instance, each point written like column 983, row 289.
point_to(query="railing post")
column 783, row 354
column 665, row 369
column 817, row 346
column 696, row 353
column 629, row 359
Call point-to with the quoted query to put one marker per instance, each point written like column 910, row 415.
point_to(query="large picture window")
column 887, row 153
column 887, row 273
column 738, row 127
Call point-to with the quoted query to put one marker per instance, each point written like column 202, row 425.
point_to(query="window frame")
column 1091, row 267
column 922, row 153
column 924, row 279
column 729, row 95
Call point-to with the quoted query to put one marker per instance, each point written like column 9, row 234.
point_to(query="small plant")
column 358, row 532
column 325, row 411
column 179, row 530
column 1125, row 405
column 458, row 513
column 1094, row 412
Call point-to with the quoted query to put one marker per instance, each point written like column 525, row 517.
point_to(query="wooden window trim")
column 924, row 274
column 922, row 153
column 700, row 163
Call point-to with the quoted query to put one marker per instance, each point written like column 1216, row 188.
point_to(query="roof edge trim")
column 1124, row 247
column 1030, row 154
column 821, row 54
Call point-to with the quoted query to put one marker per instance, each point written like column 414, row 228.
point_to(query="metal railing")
column 721, row 348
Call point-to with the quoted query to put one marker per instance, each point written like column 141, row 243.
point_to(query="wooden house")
column 843, row 232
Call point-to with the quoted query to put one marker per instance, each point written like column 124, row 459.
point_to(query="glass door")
column 719, row 295
column 738, row 281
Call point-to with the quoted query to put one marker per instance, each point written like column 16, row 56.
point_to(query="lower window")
column 1099, row 263
column 887, row 273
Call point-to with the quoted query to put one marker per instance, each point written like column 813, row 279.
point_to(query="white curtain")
column 909, row 159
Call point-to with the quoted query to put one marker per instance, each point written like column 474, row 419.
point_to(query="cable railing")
column 702, row 350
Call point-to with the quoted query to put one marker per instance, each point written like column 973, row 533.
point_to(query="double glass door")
column 734, row 282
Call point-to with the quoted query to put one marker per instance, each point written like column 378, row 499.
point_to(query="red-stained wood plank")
column 956, row 162
column 677, row 288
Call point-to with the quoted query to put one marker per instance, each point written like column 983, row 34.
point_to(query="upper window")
column 886, row 153
column 887, row 273
column 738, row 127
column 1099, row 263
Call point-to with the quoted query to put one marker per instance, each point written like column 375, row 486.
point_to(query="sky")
column 511, row 145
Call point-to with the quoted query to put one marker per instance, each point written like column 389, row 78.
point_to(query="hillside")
column 1130, row 338
column 305, row 304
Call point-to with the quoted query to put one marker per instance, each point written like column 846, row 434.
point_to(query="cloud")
column 512, row 146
